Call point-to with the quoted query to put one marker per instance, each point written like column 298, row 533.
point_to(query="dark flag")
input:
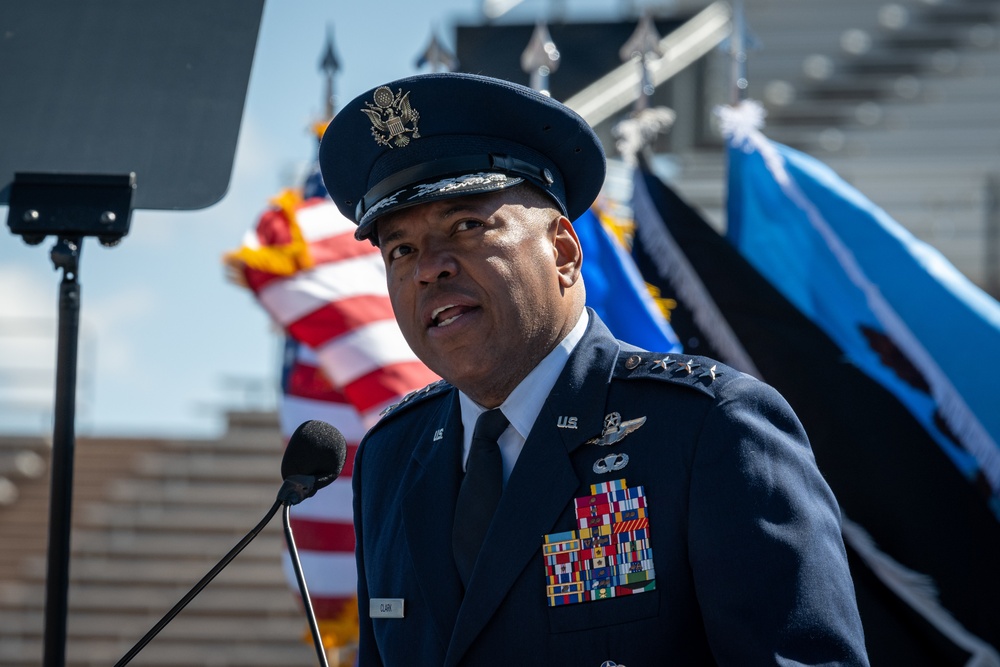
column 929, row 527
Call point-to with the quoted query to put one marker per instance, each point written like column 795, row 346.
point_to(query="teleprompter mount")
column 71, row 206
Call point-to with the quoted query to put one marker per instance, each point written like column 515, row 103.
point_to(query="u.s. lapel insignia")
column 566, row 422
column 438, row 434
column 609, row 554
column 610, row 463
column 392, row 118
column 615, row 429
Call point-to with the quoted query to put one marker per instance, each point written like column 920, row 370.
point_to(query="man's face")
column 482, row 286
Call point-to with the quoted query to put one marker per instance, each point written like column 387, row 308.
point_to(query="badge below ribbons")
column 609, row 556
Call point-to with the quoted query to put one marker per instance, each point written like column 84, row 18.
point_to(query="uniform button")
column 633, row 361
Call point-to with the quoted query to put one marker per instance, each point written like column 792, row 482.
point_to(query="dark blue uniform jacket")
column 749, row 562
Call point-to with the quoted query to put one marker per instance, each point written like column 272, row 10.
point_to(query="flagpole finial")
column 329, row 66
column 638, row 132
column 437, row 56
column 540, row 58
column 642, row 47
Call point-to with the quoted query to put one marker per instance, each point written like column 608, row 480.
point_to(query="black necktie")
column 480, row 492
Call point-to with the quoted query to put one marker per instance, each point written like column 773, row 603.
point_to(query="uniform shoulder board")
column 699, row 373
column 416, row 397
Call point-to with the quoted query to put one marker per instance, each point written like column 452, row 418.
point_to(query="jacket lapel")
column 428, row 514
column 541, row 484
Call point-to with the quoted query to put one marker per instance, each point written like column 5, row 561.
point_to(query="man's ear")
column 568, row 252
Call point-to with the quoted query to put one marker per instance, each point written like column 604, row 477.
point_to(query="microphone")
column 314, row 457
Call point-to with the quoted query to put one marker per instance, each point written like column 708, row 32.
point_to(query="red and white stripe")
column 340, row 308
column 353, row 362
column 323, row 525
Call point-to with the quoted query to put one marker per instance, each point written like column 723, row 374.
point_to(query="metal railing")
column 619, row 88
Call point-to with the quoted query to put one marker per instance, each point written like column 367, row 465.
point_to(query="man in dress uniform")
column 560, row 497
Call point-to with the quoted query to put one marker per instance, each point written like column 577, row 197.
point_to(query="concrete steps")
column 151, row 518
column 912, row 118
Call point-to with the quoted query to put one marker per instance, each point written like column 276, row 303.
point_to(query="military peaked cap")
column 435, row 136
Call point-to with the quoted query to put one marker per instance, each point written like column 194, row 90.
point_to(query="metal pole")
column 65, row 255
column 738, row 52
column 992, row 235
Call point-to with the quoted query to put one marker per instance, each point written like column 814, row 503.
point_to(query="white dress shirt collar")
column 524, row 403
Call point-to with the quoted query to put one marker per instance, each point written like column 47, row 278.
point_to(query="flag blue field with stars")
column 896, row 307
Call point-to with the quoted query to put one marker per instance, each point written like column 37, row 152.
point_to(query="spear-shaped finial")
column 540, row 58
column 329, row 65
column 637, row 133
column 642, row 47
column 437, row 56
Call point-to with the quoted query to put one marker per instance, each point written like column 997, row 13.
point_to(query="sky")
column 166, row 344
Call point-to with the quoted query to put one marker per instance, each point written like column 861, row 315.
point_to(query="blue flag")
column 617, row 292
column 896, row 307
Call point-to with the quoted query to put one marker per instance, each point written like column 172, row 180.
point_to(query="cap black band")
column 450, row 166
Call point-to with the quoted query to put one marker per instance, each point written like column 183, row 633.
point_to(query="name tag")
column 385, row 608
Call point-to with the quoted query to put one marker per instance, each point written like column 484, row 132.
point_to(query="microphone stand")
column 303, row 590
column 294, row 490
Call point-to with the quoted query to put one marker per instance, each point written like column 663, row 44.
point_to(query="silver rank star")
column 711, row 373
column 688, row 365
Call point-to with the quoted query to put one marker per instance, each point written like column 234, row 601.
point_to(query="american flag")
column 345, row 360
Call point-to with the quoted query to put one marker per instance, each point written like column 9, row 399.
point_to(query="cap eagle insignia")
column 392, row 118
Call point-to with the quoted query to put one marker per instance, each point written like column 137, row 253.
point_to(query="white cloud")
column 24, row 293
column 28, row 314
column 110, row 322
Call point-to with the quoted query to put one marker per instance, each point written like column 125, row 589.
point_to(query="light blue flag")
column 896, row 307
column 617, row 292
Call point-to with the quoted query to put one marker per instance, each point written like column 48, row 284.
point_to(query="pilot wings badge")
column 392, row 118
column 615, row 429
